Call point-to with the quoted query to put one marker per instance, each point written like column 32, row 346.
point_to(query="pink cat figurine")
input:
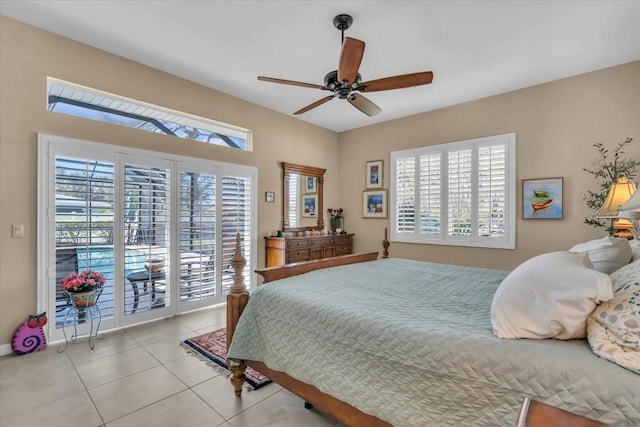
column 29, row 336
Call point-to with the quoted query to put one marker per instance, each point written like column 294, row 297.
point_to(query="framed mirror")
column 302, row 189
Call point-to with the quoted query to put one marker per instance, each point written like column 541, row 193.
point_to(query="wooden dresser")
column 285, row 250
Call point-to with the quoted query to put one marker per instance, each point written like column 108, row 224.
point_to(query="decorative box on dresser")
column 285, row 250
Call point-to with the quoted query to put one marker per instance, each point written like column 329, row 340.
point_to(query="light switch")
column 17, row 230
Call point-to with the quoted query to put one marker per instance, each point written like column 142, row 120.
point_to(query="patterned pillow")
column 613, row 329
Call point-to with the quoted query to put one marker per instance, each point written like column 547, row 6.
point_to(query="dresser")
column 285, row 250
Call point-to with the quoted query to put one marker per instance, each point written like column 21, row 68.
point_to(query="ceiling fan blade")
column 397, row 82
column 350, row 59
column 291, row 82
column 314, row 105
column 363, row 104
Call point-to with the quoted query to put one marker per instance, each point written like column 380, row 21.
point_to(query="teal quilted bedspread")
column 411, row 343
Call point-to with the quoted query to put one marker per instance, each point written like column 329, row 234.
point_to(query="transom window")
column 75, row 100
column 459, row 193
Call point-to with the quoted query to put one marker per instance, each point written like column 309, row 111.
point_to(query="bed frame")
column 313, row 397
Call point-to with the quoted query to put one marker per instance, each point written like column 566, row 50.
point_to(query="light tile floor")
column 139, row 376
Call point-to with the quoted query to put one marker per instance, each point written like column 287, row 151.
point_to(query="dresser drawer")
column 297, row 255
column 343, row 240
column 321, row 242
column 343, row 249
column 297, row 243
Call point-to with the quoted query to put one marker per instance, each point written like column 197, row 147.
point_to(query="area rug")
column 212, row 347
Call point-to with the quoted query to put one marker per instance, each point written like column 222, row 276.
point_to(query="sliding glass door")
column 82, row 230
column 162, row 230
column 214, row 207
column 145, row 220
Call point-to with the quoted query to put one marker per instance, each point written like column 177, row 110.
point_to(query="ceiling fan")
column 346, row 82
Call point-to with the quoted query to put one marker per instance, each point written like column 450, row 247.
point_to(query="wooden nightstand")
column 538, row 414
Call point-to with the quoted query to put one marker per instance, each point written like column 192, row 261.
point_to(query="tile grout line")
column 86, row 390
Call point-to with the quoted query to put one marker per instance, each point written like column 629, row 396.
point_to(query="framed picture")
column 374, row 174
column 309, row 206
column 374, row 204
column 269, row 196
column 310, row 186
column 542, row 198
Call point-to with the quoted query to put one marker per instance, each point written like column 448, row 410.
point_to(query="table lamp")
column 619, row 194
column 631, row 209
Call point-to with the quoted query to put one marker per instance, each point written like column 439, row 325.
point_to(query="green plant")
column 607, row 170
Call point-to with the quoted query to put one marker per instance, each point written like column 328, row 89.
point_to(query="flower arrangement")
column 85, row 281
column 336, row 219
column 335, row 213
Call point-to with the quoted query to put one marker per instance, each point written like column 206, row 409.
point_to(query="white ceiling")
column 474, row 48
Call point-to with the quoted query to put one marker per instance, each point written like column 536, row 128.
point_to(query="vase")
column 335, row 224
column 83, row 299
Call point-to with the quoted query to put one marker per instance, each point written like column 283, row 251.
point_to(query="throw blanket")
column 411, row 343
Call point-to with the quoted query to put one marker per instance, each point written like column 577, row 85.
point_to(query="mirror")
column 302, row 197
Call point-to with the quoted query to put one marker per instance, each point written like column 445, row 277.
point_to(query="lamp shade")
column 619, row 193
column 633, row 204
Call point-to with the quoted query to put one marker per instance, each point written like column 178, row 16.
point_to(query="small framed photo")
column 310, row 184
column 269, row 196
column 374, row 176
column 309, row 206
column 542, row 198
column 374, row 204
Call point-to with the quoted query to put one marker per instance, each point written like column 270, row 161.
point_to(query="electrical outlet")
column 17, row 230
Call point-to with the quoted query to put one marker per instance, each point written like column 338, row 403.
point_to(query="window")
column 460, row 193
column 161, row 228
column 79, row 101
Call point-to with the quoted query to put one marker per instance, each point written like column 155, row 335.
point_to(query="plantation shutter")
column 236, row 218
column 492, row 190
column 147, row 227
column 197, row 236
column 460, row 193
column 152, row 223
column 430, row 193
column 405, row 195
column 84, row 212
column 294, row 190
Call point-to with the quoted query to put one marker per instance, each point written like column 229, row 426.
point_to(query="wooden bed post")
column 385, row 245
column 236, row 301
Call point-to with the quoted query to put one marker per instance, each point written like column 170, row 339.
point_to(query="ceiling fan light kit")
column 346, row 81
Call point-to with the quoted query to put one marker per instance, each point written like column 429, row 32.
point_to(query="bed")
column 381, row 342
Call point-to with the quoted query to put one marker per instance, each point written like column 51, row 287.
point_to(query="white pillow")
column 549, row 296
column 607, row 254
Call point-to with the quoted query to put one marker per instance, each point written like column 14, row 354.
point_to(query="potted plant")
column 82, row 288
column 607, row 170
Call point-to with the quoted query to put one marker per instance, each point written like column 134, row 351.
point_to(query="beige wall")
column 28, row 55
column 556, row 125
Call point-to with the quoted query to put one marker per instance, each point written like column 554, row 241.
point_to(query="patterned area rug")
column 212, row 347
